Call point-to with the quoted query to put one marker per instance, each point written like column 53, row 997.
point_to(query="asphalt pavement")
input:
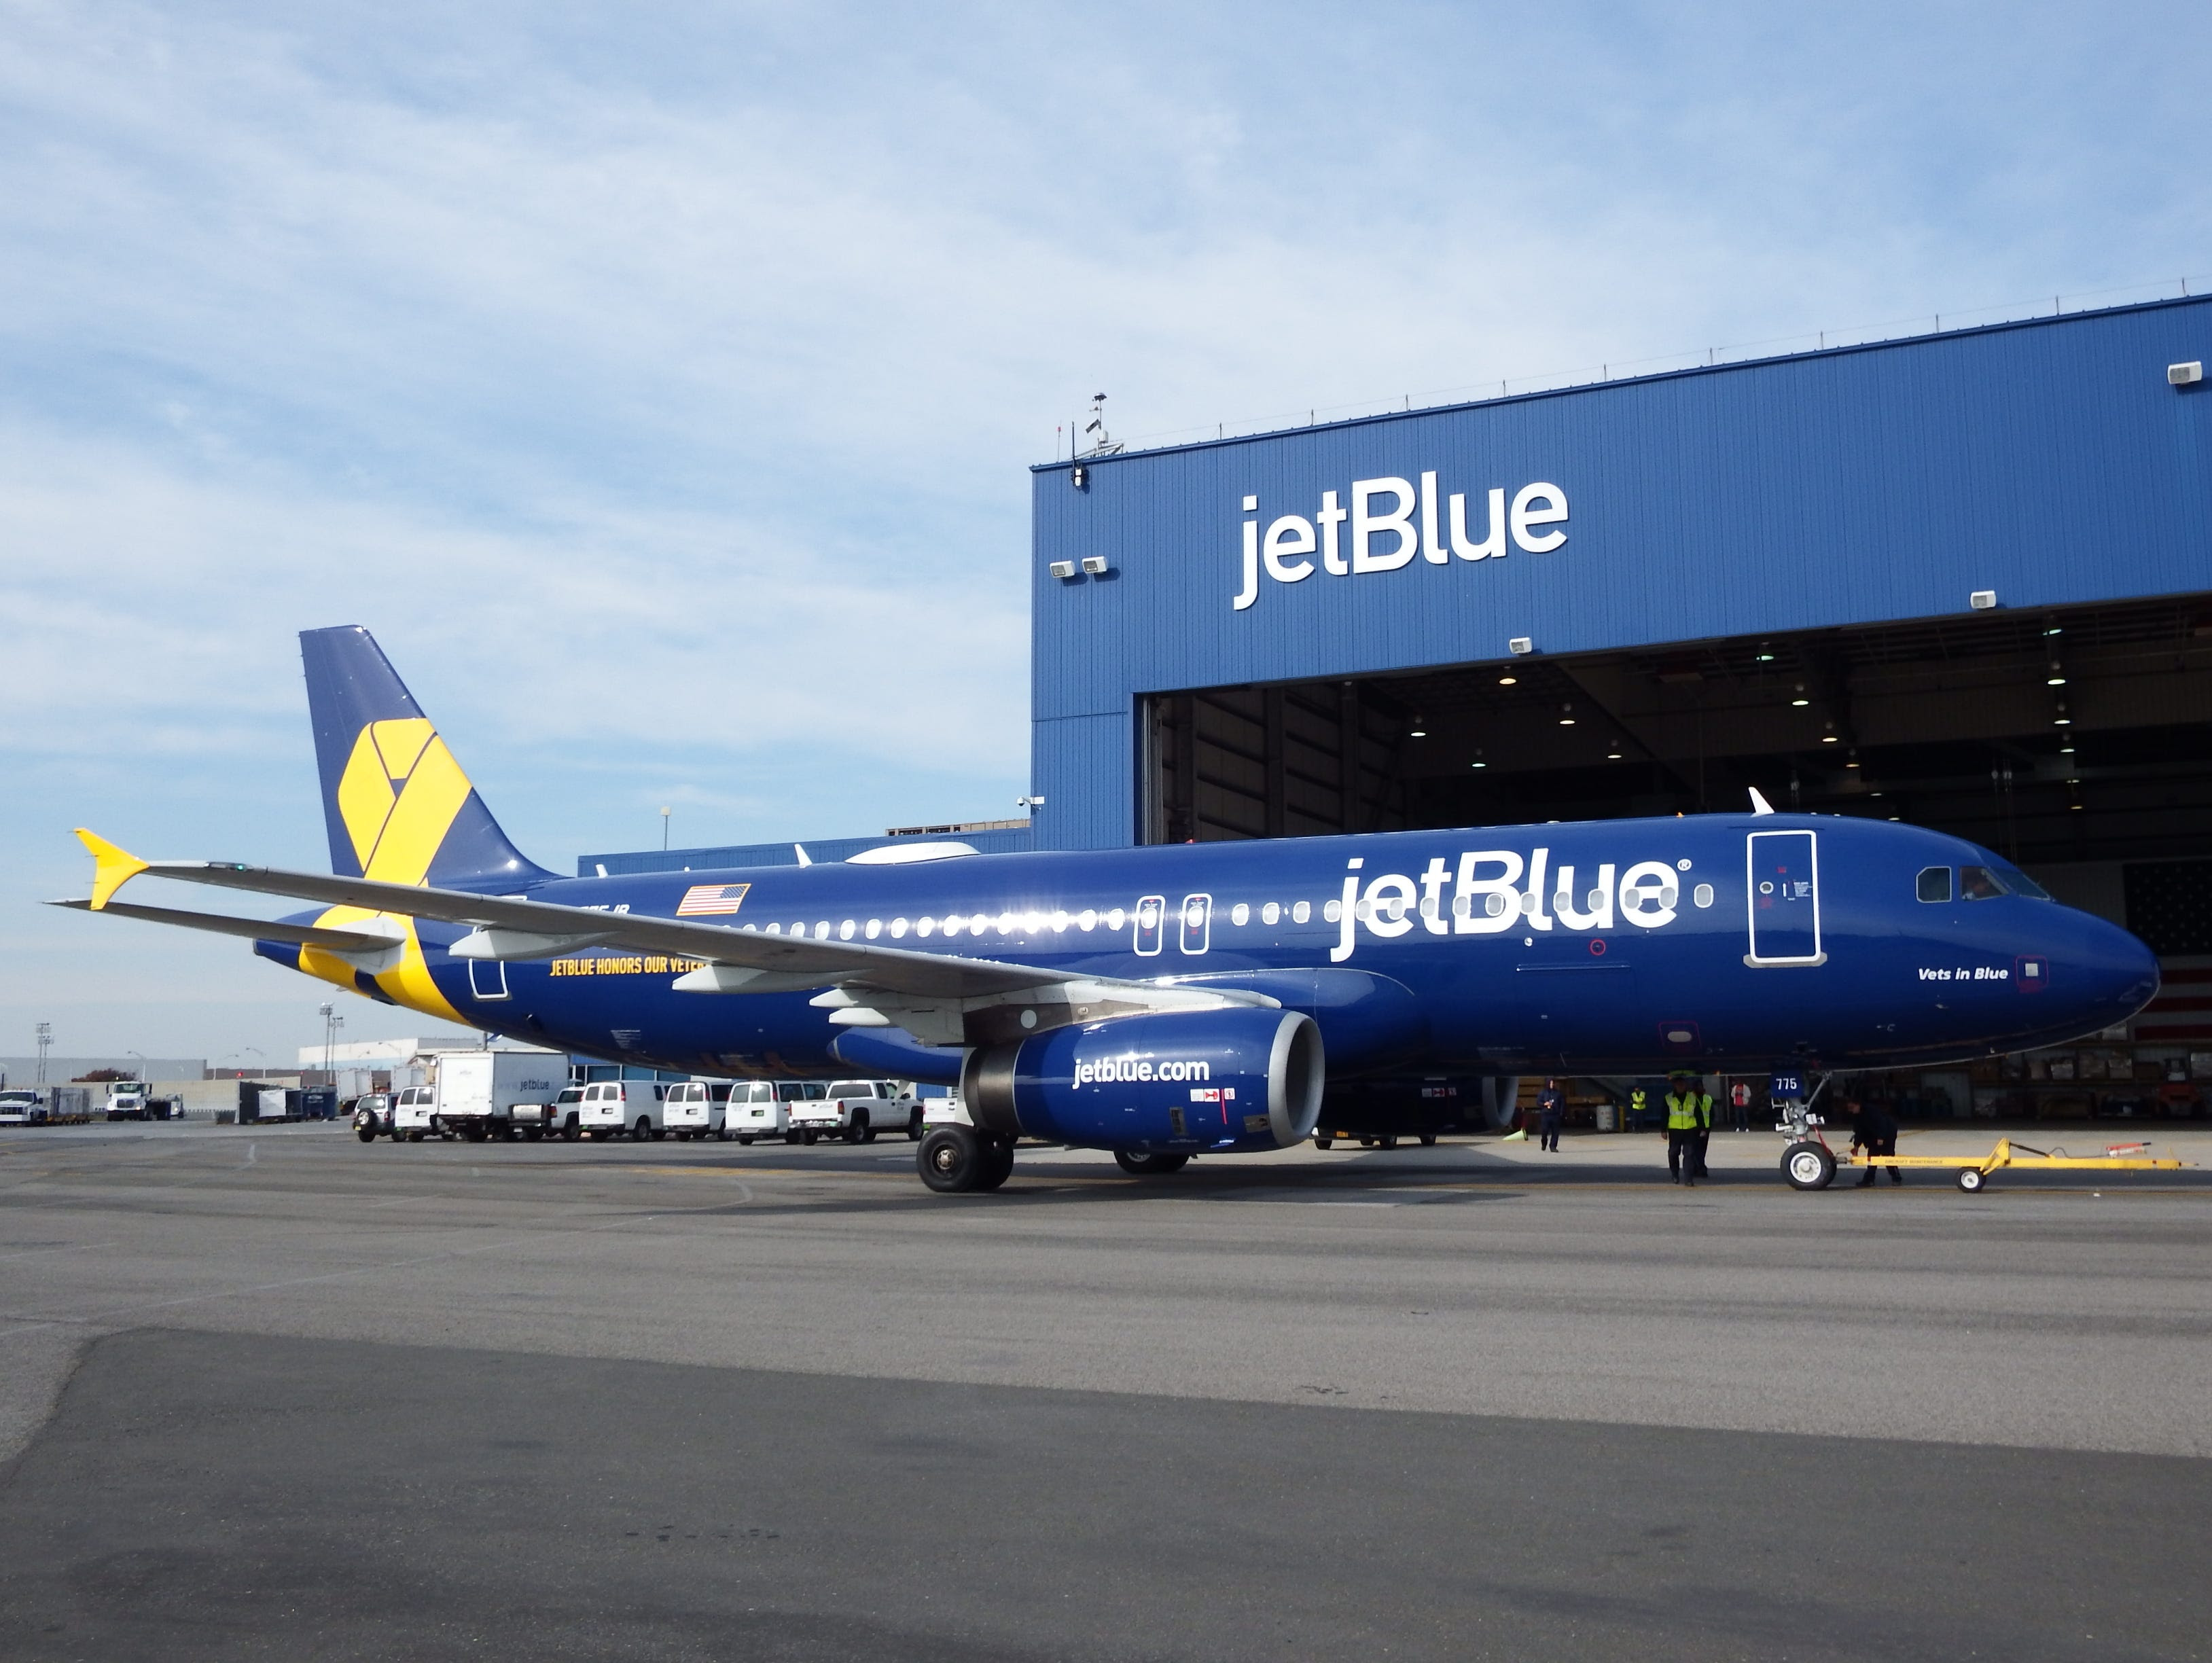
column 277, row 1393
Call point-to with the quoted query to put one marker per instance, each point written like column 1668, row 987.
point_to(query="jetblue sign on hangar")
column 1391, row 522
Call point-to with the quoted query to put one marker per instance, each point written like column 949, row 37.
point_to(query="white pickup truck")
column 856, row 1110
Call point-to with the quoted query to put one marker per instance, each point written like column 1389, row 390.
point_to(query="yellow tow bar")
column 1974, row 1171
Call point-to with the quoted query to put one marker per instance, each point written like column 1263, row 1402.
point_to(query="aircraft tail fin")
column 395, row 802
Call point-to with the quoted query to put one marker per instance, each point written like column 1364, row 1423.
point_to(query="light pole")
column 142, row 1061
column 46, row 1031
column 330, row 1032
column 664, row 831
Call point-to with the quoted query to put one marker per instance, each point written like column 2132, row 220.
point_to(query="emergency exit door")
column 1782, row 871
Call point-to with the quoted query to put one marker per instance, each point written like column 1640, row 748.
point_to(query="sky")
column 659, row 382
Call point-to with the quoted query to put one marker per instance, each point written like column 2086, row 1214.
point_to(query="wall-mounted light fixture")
column 2184, row 375
column 1983, row 600
column 1062, row 569
column 1080, row 478
column 1520, row 646
column 1094, row 564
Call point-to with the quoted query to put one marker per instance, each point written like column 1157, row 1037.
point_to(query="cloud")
column 658, row 383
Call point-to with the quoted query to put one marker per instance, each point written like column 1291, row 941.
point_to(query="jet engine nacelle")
column 1240, row 1078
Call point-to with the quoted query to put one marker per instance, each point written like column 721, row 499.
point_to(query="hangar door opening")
column 2065, row 736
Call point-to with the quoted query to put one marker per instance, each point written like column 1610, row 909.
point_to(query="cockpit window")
column 1935, row 884
column 1978, row 883
column 2018, row 881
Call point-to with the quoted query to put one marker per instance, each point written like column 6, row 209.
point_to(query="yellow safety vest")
column 1636, row 1100
column 1688, row 1113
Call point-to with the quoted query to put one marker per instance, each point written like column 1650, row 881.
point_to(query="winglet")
column 112, row 868
column 804, row 859
column 1759, row 804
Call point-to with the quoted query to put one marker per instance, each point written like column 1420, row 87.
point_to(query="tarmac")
column 271, row 1392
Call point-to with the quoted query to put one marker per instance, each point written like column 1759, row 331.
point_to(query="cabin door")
column 1782, row 871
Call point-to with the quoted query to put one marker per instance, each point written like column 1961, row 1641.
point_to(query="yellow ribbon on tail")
column 112, row 868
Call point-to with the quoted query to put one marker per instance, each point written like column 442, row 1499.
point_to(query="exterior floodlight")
column 1520, row 646
column 1094, row 564
column 2184, row 375
column 1062, row 569
column 1983, row 600
column 1080, row 476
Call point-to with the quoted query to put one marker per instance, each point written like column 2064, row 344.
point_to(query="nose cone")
column 2102, row 972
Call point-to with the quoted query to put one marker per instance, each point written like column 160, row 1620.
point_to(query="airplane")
column 1173, row 1001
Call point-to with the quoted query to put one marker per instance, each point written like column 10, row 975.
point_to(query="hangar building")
column 1963, row 579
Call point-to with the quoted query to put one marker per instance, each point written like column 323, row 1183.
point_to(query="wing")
column 940, row 999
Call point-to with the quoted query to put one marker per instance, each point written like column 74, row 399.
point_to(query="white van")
column 856, row 1110
column 610, row 1106
column 415, row 1113
column 761, row 1108
column 694, row 1108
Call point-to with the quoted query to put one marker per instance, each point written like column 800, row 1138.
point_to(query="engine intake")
column 1189, row 1080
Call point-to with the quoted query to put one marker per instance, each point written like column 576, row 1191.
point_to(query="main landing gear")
column 958, row 1160
column 1139, row 1164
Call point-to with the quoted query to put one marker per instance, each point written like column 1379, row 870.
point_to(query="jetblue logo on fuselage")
column 1494, row 890
column 1384, row 537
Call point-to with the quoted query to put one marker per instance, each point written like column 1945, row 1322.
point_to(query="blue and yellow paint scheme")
column 1715, row 942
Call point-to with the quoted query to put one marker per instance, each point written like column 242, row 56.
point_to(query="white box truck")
column 489, row 1094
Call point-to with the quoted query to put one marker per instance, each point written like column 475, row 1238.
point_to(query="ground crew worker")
column 1637, row 1102
column 1704, row 1101
column 1551, row 1107
column 1740, row 1101
column 1683, row 1116
column 1875, row 1130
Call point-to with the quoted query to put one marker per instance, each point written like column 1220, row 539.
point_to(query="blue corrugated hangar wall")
column 2048, row 461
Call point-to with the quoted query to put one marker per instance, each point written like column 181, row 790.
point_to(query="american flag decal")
column 706, row 900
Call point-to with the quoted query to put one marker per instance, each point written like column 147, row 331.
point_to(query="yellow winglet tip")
column 112, row 868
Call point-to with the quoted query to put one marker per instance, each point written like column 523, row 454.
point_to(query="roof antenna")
column 1101, row 444
column 1759, row 804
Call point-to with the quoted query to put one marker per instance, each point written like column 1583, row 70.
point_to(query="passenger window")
column 1978, row 883
column 1935, row 884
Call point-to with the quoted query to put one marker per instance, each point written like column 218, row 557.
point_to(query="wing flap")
column 799, row 961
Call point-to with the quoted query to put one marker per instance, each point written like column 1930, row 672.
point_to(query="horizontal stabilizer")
column 252, row 929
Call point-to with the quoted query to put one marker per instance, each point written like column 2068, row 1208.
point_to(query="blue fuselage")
column 1606, row 946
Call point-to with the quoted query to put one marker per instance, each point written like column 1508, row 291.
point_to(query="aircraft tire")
column 998, row 1163
column 1809, row 1165
column 1428, row 1140
column 1138, row 1163
column 1322, row 1142
column 952, row 1160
